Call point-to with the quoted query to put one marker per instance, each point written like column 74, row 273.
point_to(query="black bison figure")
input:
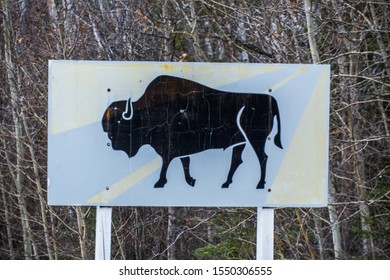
column 179, row 117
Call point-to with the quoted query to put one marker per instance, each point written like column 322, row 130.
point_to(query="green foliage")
column 382, row 185
column 378, row 221
column 383, row 233
column 234, row 235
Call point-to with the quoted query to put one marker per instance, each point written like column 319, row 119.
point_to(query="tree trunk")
column 41, row 196
column 167, row 52
column 353, row 121
column 171, row 236
column 316, row 59
column 7, row 218
column 310, row 32
column 241, row 36
column 386, row 61
column 82, row 231
column 334, row 223
column 16, row 111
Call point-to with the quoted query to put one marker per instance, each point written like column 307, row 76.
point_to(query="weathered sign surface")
column 187, row 134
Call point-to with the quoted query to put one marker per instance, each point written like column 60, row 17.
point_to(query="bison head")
column 117, row 122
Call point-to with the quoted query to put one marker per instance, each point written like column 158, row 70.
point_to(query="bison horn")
column 126, row 114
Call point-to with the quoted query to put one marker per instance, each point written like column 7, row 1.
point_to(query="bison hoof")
column 191, row 181
column 260, row 185
column 160, row 183
column 226, row 184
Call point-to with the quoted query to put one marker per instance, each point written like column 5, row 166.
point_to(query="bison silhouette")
column 179, row 117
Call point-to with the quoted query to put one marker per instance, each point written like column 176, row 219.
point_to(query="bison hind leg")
column 236, row 161
column 186, row 166
column 260, row 185
column 226, row 184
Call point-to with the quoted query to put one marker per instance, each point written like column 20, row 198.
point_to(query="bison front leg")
column 236, row 161
column 186, row 166
column 163, row 175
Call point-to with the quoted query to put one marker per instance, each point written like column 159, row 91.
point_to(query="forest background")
column 352, row 36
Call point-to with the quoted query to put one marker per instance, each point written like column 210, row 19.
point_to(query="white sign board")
column 188, row 134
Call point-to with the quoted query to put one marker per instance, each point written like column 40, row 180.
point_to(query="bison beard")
column 179, row 117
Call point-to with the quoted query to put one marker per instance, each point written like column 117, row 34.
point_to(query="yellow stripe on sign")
column 302, row 176
column 286, row 80
column 126, row 183
column 217, row 74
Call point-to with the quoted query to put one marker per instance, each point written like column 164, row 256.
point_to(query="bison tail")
column 277, row 139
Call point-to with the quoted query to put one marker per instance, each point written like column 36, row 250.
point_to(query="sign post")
column 103, row 233
column 265, row 234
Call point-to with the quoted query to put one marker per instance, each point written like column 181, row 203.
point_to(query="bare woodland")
column 352, row 36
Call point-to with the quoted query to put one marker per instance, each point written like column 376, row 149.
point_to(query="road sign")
column 187, row 134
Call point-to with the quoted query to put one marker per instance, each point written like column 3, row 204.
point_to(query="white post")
column 103, row 233
column 265, row 234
